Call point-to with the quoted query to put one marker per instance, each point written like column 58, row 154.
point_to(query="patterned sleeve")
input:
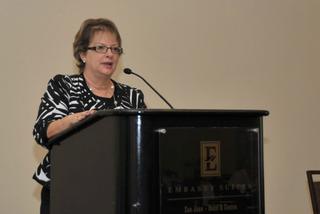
column 53, row 106
column 140, row 100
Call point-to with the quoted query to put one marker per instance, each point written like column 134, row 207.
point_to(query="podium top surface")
column 182, row 112
column 159, row 112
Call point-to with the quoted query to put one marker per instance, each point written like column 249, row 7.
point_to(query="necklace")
column 101, row 88
column 109, row 90
column 104, row 91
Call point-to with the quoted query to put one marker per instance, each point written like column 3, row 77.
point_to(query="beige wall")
column 213, row 54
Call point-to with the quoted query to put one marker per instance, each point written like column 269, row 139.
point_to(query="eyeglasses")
column 104, row 49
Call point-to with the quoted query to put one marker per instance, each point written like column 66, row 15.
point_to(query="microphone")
column 129, row 71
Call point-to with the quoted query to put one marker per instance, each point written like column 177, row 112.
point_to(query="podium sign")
column 209, row 170
column 160, row 162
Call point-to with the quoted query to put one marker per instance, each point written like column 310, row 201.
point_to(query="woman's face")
column 101, row 63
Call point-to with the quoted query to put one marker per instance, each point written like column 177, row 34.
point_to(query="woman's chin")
column 107, row 72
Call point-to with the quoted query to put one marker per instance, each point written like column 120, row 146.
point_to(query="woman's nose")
column 109, row 52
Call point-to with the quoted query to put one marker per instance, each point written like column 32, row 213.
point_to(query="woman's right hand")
column 58, row 126
column 77, row 117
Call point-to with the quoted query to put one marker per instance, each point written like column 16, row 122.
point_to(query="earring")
column 83, row 60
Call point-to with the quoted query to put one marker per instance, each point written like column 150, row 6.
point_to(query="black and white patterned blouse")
column 69, row 94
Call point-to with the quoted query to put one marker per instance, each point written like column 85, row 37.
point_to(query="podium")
column 160, row 162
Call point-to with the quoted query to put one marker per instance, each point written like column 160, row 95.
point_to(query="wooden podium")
column 160, row 162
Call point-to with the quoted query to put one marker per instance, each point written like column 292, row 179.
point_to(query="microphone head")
column 127, row 71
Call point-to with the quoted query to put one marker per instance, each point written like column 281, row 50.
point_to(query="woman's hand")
column 77, row 117
column 58, row 126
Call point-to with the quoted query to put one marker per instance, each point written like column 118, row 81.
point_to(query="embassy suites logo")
column 210, row 158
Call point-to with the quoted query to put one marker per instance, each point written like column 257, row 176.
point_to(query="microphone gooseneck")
column 129, row 71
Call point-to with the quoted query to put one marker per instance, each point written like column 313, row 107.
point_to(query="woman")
column 71, row 98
